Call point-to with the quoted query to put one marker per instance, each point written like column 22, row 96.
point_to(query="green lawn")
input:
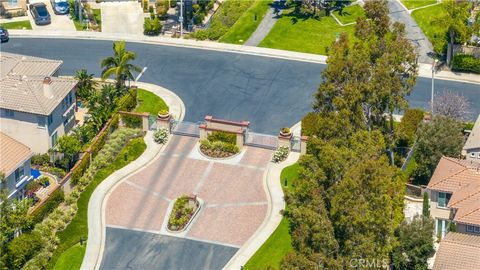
column 149, row 102
column 79, row 226
column 411, row 4
column 97, row 13
column 307, row 35
column 349, row 14
column 429, row 19
column 246, row 24
column 71, row 259
column 17, row 25
column 271, row 253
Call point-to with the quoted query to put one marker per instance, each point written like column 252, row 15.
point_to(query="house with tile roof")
column 454, row 191
column 458, row 251
column 15, row 165
column 471, row 149
column 36, row 107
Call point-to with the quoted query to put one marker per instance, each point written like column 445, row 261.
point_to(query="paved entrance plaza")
column 235, row 205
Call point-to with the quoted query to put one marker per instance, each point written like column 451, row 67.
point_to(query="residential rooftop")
column 13, row 153
column 27, row 84
column 458, row 251
column 473, row 140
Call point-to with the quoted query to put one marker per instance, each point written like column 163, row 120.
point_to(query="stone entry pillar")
column 164, row 122
column 303, row 145
column 285, row 140
column 211, row 124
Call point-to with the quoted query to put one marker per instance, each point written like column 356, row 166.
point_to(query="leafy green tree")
column 119, row 65
column 370, row 79
column 441, row 137
column 366, row 207
column 101, row 105
column 415, row 244
column 86, row 84
column 69, row 146
column 408, row 127
column 456, row 19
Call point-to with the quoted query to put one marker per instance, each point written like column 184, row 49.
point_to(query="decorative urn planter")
column 163, row 114
column 285, row 132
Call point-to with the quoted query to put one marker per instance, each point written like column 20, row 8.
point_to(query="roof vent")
column 47, row 91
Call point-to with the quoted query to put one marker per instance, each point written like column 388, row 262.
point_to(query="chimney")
column 47, row 91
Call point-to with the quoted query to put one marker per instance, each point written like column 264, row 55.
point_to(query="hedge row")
column 465, row 62
column 55, row 199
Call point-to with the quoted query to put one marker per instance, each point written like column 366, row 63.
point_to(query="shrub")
column 408, row 127
column 152, row 27
column 281, row 154
column 145, row 6
column 55, row 199
column 163, row 112
column 132, row 121
column 223, row 137
column 465, row 62
column 32, row 186
column 161, row 136
column 208, row 146
column 198, row 18
column 40, row 159
column 173, row 3
column 128, row 102
column 150, row 9
column 80, row 169
column 181, row 213
column 162, row 8
column 23, row 248
column 285, row 130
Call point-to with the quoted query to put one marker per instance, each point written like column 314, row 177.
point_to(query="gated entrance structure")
column 261, row 140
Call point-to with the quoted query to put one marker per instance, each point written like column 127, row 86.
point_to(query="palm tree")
column 119, row 65
column 85, row 84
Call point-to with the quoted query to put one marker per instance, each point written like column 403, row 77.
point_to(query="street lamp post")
column 434, row 65
column 181, row 18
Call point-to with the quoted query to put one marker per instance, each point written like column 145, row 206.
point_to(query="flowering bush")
column 161, row 136
column 281, row 154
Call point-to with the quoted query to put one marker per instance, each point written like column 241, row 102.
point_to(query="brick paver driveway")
column 235, row 206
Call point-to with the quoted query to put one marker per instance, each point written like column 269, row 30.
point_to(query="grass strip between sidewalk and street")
column 78, row 228
column 241, row 31
column 411, row 4
column 271, row 253
column 17, row 25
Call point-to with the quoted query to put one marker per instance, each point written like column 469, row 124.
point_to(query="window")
column 70, row 98
column 54, row 138
column 473, row 229
column 9, row 113
column 441, row 227
column 19, row 173
column 478, row 155
column 40, row 121
column 472, row 154
column 50, row 119
column 13, row 3
column 443, row 199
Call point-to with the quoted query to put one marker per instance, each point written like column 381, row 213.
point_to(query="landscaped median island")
column 219, row 144
column 184, row 209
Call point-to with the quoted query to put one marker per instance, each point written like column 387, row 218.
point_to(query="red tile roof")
column 458, row 251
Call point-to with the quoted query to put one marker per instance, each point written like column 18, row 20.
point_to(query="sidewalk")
column 267, row 23
column 96, row 205
column 424, row 69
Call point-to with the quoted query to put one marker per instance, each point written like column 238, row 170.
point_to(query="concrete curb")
column 276, row 203
column 97, row 203
column 424, row 69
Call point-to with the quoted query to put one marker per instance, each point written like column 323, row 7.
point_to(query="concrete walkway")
column 96, row 205
column 398, row 13
column 424, row 69
column 268, row 21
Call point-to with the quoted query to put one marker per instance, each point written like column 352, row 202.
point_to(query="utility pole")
column 434, row 65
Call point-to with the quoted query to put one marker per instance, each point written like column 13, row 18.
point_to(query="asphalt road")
column 128, row 249
column 270, row 93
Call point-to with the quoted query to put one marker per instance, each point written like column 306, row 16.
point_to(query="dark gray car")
column 40, row 13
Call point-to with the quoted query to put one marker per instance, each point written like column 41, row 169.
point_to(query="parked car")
column 40, row 13
column 4, row 34
column 60, row 7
